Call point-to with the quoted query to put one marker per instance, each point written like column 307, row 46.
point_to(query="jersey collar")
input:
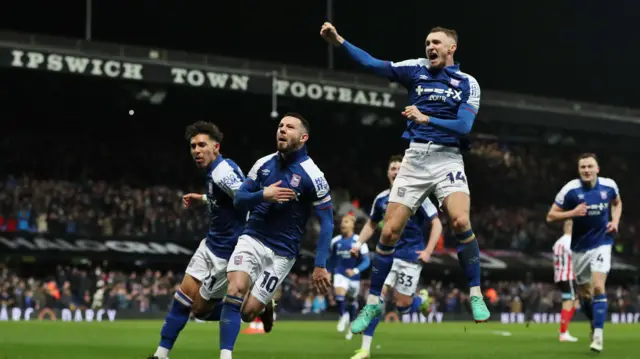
column 586, row 185
column 451, row 68
column 294, row 156
column 216, row 162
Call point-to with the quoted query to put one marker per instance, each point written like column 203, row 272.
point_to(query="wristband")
column 204, row 198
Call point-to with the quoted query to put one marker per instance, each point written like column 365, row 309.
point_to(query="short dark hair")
column 395, row 158
column 203, row 128
column 449, row 32
column 588, row 155
column 303, row 121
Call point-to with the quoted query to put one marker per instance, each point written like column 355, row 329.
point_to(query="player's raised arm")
column 400, row 72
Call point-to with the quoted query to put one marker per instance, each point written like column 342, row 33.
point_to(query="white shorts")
column 210, row 270
column 404, row 277
column 266, row 269
column 428, row 168
column 351, row 286
column 594, row 260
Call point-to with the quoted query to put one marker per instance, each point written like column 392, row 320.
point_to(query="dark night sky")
column 583, row 50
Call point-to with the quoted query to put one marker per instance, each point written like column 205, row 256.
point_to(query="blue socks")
column 215, row 314
column 381, row 267
column 353, row 310
column 469, row 257
column 230, row 322
column 175, row 320
column 372, row 327
column 586, row 305
column 415, row 305
column 341, row 306
column 599, row 311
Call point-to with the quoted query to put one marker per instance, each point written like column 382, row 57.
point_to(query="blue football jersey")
column 226, row 222
column 280, row 226
column 341, row 254
column 438, row 93
column 413, row 236
column 589, row 231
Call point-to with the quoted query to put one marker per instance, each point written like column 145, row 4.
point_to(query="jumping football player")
column 443, row 106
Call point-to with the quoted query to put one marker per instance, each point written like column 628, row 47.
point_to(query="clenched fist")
column 189, row 199
column 412, row 113
column 330, row 34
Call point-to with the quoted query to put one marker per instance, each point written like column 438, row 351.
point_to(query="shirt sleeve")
column 565, row 198
column 401, row 72
column 429, row 208
column 227, row 178
column 377, row 214
column 467, row 111
column 319, row 189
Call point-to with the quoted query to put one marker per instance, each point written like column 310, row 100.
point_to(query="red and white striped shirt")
column 562, row 266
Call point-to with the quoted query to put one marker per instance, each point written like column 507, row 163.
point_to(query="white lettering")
column 334, row 94
column 298, row 89
column 314, row 91
column 111, row 314
column 75, row 64
column 35, row 60
column 344, row 95
column 16, row 313
column 16, row 60
column 66, row 315
column 78, row 316
column 89, row 314
column 89, row 245
column 197, row 78
column 17, row 243
column 27, row 313
column 100, row 314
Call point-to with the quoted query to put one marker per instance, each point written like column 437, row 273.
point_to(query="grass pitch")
column 317, row 340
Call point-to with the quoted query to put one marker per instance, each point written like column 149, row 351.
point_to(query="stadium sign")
column 59, row 62
column 73, row 61
column 66, row 315
column 36, row 244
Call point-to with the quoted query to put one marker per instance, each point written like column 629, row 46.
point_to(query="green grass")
column 138, row 339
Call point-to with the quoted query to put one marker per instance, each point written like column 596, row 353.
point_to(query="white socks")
column 162, row 352
column 373, row 299
column 597, row 333
column 476, row 291
column 225, row 354
column 366, row 343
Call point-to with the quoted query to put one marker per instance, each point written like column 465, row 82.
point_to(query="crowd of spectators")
column 152, row 290
column 96, row 170
column 512, row 186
